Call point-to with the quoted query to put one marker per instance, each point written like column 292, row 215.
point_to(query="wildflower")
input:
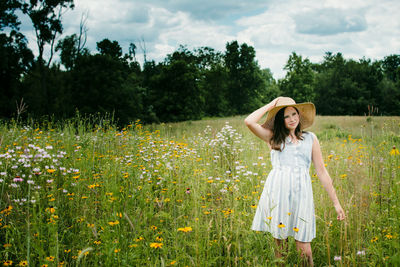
column 185, row 229
column 343, row 176
column 374, row 239
column 113, row 223
column 51, row 170
column 281, row 225
column 23, row 263
column 8, row 263
column 7, row 245
column 156, row 245
column 254, row 206
column 18, row 179
column 153, row 227
column 361, row 252
column 295, row 229
column 289, row 213
column 337, row 258
column 97, row 242
column 51, row 258
column 51, row 209
column 187, row 191
column 394, row 151
column 172, row 262
column 389, row 236
column 139, row 239
column 269, row 218
column 117, row 250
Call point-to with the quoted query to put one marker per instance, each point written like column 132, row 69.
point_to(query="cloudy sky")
column 275, row 28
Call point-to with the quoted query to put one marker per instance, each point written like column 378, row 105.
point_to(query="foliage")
column 298, row 82
column 187, row 85
column 83, row 192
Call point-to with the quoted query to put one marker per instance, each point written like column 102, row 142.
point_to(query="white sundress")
column 286, row 205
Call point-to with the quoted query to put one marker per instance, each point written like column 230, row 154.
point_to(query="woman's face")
column 291, row 118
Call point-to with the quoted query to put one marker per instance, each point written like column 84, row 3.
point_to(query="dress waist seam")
column 290, row 167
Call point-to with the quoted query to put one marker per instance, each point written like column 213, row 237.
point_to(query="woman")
column 286, row 206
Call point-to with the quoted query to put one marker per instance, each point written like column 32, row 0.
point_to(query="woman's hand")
column 340, row 212
column 275, row 101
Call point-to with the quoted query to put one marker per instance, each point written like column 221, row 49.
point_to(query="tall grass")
column 84, row 193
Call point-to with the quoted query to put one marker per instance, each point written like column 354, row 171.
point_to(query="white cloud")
column 330, row 21
column 275, row 28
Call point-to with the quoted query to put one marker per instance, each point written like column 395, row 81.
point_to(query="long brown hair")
column 280, row 132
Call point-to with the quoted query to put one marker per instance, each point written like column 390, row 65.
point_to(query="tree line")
column 186, row 85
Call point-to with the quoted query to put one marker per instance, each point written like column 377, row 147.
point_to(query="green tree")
column 347, row 87
column 70, row 49
column 112, row 49
column 299, row 79
column 271, row 86
column 46, row 20
column 212, row 81
column 16, row 57
column 175, row 91
column 391, row 67
column 246, row 87
column 101, row 84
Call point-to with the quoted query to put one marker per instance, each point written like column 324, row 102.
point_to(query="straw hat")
column 306, row 110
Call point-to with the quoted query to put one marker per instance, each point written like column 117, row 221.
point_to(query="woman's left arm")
column 325, row 179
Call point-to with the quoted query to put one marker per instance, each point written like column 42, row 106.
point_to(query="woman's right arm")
column 252, row 121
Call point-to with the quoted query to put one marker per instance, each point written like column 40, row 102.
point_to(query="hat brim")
column 306, row 111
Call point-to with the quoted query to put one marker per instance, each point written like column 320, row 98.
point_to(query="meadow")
column 86, row 193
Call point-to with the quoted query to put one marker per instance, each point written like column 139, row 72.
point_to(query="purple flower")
column 361, row 253
column 337, row 258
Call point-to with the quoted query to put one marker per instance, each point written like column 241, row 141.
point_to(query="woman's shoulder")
column 309, row 135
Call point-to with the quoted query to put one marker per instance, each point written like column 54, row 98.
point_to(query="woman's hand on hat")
column 275, row 101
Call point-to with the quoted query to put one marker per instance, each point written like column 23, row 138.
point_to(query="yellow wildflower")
column 389, row 236
column 185, row 229
column 7, row 263
column 113, row 223
column 394, row 151
column 374, row 239
column 156, row 245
